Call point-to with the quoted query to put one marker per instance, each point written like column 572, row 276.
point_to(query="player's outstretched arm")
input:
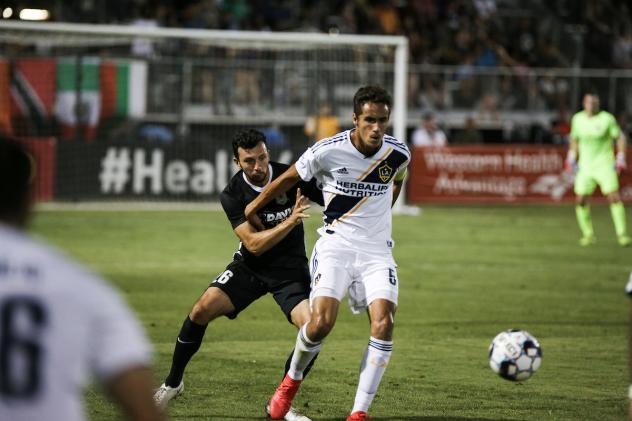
column 132, row 390
column 272, row 190
column 258, row 242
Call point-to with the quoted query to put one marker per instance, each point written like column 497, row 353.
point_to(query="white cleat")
column 292, row 415
column 165, row 393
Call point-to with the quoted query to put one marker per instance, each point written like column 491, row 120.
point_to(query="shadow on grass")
column 419, row 418
column 232, row 417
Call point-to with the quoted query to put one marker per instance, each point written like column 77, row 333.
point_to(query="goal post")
column 147, row 113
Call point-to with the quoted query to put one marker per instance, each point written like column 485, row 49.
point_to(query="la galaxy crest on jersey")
column 385, row 172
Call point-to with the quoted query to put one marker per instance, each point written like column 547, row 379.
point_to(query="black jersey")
column 289, row 252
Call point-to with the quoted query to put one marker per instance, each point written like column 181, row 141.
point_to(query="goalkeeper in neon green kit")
column 593, row 133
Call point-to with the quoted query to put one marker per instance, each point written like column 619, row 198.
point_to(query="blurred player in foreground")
column 59, row 323
column 272, row 261
column 592, row 134
column 362, row 171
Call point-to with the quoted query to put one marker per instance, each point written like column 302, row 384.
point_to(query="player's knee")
column 199, row 314
column 208, row 308
column 382, row 328
column 301, row 314
column 322, row 325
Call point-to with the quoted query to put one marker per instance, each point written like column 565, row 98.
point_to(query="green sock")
column 618, row 217
column 584, row 220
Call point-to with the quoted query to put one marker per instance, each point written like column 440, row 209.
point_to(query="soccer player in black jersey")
column 272, row 260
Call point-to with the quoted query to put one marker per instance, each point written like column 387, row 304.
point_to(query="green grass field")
column 466, row 273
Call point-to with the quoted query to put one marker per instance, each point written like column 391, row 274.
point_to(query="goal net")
column 125, row 113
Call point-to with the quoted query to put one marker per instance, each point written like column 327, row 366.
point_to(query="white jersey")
column 358, row 189
column 60, row 325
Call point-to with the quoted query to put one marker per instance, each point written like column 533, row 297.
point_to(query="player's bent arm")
column 279, row 186
column 132, row 390
column 258, row 242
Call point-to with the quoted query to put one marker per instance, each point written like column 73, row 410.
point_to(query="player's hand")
column 300, row 206
column 620, row 165
column 253, row 218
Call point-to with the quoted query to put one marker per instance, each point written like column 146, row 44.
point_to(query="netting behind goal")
column 145, row 114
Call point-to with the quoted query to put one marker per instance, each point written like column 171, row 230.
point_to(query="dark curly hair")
column 247, row 139
column 371, row 93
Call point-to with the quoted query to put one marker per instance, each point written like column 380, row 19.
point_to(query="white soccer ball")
column 515, row 355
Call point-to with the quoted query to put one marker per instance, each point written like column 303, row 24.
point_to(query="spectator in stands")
column 428, row 133
column 561, row 127
column 622, row 50
column 274, row 135
column 322, row 125
column 388, row 18
column 487, row 107
column 148, row 17
column 549, row 55
column 469, row 135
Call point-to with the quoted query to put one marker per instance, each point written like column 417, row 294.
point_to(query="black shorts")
column 244, row 286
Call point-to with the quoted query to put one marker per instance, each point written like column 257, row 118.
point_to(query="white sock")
column 372, row 369
column 304, row 351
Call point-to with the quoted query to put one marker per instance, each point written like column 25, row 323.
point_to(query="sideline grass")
column 465, row 273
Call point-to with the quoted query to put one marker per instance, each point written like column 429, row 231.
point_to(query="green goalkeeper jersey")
column 595, row 137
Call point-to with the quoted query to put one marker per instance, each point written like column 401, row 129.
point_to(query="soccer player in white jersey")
column 59, row 323
column 362, row 171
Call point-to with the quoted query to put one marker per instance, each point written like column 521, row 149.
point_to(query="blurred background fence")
column 160, row 96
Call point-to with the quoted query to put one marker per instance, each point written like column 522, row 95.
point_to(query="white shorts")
column 338, row 267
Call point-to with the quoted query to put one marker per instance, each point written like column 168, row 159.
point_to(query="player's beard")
column 258, row 178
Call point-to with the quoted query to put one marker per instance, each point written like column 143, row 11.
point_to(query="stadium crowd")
column 452, row 32
column 475, row 57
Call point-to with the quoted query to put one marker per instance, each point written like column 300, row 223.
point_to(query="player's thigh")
column 241, row 285
column 608, row 181
column 585, row 183
column 211, row 305
column 378, row 277
column 290, row 287
column 330, row 270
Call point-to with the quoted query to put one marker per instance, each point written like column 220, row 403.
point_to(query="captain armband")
column 401, row 174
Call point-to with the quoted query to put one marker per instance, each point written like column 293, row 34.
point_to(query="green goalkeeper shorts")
column 586, row 181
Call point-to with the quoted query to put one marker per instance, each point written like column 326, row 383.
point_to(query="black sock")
column 289, row 361
column 188, row 343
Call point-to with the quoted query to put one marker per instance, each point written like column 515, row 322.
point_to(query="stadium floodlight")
column 197, row 85
column 34, row 14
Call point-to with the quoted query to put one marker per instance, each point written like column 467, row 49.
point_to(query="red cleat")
column 281, row 401
column 358, row 416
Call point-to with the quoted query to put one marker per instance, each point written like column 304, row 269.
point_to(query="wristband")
column 630, row 392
